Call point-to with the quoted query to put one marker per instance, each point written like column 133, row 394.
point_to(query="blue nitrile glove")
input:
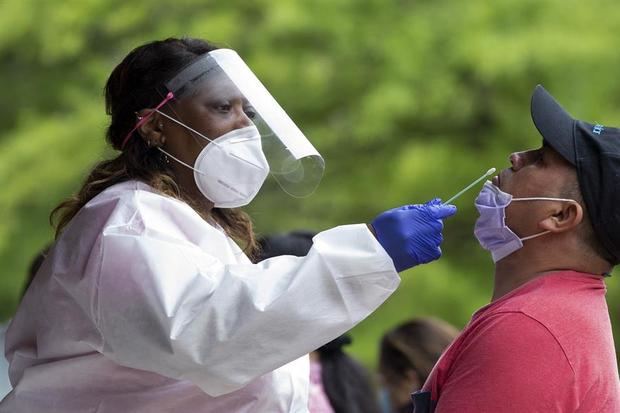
column 411, row 234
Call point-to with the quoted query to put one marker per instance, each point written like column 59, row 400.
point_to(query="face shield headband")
column 143, row 119
column 222, row 76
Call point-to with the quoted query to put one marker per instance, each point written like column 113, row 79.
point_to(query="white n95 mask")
column 491, row 230
column 230, row 170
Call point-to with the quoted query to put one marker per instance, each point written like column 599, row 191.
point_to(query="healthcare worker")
column 147, row 304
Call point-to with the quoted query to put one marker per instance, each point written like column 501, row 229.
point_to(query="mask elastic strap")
column 189, row 166
column 179, row 161
column 535, row 235
column 541, row 198
column 213, row 142
column 186, row 127
column 142, row 120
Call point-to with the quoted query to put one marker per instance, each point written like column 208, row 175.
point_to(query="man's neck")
column 511, row 274
column 527, row 264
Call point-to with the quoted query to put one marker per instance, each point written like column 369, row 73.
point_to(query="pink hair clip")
column 142, row 119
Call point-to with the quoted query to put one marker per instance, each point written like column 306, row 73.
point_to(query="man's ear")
column 152, row 130
column 563, row 217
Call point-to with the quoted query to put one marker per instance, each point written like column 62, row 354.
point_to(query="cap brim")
column 554, row 124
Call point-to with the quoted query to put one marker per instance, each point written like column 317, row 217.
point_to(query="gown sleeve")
column 165, row 305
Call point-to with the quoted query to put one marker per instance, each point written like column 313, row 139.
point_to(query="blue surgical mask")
column 491, row 230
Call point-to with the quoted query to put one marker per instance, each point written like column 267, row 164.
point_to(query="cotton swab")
column 462, row 191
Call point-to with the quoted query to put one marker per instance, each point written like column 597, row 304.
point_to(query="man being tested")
column 552, row 225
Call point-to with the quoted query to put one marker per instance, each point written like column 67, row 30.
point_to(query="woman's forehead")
column 216, row 85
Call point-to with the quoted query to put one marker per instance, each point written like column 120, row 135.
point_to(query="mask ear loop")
column 211, row 141
column 142, row 120
column 534, row 236
column 185, row 126
column 541, row 198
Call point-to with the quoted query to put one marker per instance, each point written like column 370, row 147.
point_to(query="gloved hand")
column 411, row 234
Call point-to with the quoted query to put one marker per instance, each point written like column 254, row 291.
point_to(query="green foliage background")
column 406, row 100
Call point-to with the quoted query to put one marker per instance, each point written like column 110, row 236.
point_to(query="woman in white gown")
column 146, row 303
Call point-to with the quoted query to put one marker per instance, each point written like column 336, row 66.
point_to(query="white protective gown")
column 142, row 306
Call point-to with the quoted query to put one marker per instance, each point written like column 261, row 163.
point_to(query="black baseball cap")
column 594, row 150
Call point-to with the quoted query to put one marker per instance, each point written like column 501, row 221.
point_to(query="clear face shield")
column 293, row 161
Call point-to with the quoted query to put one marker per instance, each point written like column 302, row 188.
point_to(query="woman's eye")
column 222, row 107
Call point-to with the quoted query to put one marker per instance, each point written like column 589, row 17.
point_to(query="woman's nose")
column 242, row 120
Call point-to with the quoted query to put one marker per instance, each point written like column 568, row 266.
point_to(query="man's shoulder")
column 564, row 314
column 512, row 330
column 570, row 305
column 511, row 342
column 577, row 363
column 557, row 300
column 509, row 355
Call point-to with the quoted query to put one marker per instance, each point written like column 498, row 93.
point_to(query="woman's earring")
column 164, row 158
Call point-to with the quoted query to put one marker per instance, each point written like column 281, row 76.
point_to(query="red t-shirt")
column 545, row 347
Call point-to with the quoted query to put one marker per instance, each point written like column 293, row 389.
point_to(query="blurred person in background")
column 407, row 354
column 5, row 384
column 148, row 300
column 338, row 383
column 552, row 225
